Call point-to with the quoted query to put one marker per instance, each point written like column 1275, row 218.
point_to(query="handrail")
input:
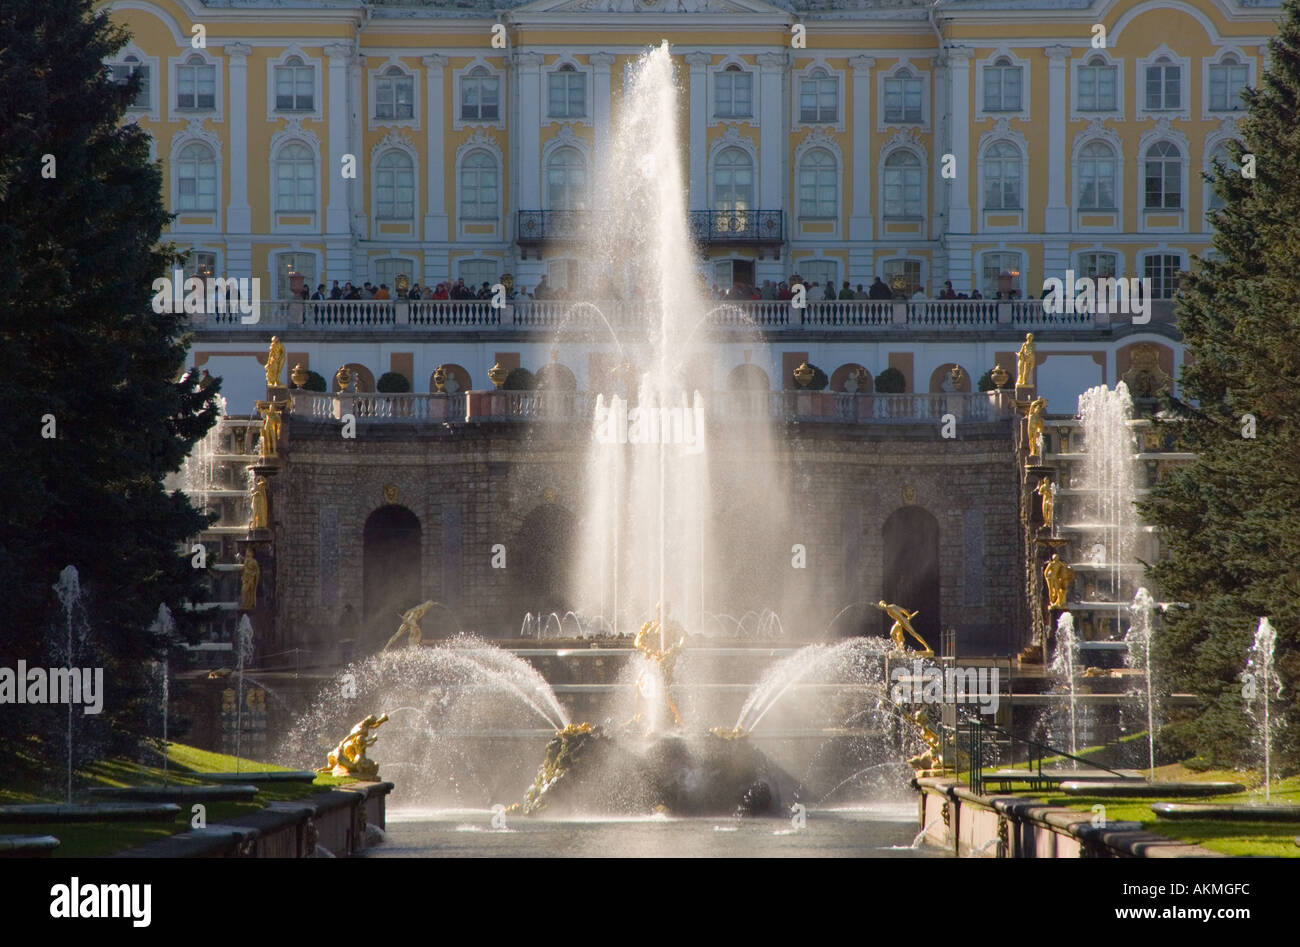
column 975, row 727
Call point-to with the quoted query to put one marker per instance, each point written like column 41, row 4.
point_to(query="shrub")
column 986, row 381
column 393, row 383
column 315, row 382
column 520, row 379
column 820, row 382
column 891, row 382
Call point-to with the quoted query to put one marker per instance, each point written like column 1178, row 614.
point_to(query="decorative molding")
column 237, row 52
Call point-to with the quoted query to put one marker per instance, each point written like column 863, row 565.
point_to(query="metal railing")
column 976, row 729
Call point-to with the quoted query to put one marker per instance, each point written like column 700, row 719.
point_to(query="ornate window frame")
column 1121, row 258
column 481, row 141
column 1003, row 132
column 565, row 138
column 1184, row 111
column 1162, row 132
column 588, row 75
column 193, row 133
column 819, row 141
column 1160, row 249
column 1226, row 132
column 373, row 76
column 1002, row 248
column 153, row 110
column 393, row 141
column 503, row 102
column 296, row 247
column 317, row 112
column 1222, row 53
column 291, row 133
column 1080, row 115
column 731, row 139
column 903, row 65
column 796, row 86
column 1026, row 85
column 178, row 114
column 1097, row 132
column 903, row 141
column 710, row 77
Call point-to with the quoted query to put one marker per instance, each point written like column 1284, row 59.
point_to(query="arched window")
column 122, row 73
column 818, row 185
column 295, row 178
column 1227, row 79
column 295, row 85
column 733, row 93
column 902, row 180
column 819, row 98
column 1164, row 177
column 480, row 96
column 733, row 181
column 903, row 97
column 1164, row 85
column 395, row 94
column 395, row 186
column 566, row 180
column 478, row 186
column 1002, row 177
column 567, row 93
column 1097, row 177
column 196, row 178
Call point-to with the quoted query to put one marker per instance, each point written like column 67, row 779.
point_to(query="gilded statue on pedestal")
column 411, row 626
column 1037, row 419
column 349, row 757
column 248, row 577
column 902, row 623
column 1047, row 491
column 1058, row 576
column 651, row 632
column 259, row 520
column 275, row 363
column 1025, row 362
column 268, row 446
column 930, row 762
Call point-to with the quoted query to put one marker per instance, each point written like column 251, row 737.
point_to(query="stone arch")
column 840, row 377
column 910, row 577
column 1146, row 367
column 940, row 375
column 390, row 571
column 748, row 377
column 365, row 378
column 541, row 554
column 454, row 371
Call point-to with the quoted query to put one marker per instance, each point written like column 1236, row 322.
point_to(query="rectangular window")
column 294, row 88
column 1002, row 88
column 201, row 265
column 1164, row 89
column 287, row 264
column 819, row 100
column 909, row 271
column 1097, row 88
column 196, row 87
column 1226, row 83
column 733, row 95
column 567, row 95
column 122, row 73
column 395, row 97
column 821, row 272
column 903, row 100
column 1097, row 265
column 1162, row 270
column 386, row 270
column 993, row 265
column 479, row 98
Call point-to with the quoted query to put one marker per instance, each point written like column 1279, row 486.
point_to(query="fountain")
column 1262, row 686
column 1065, row 665
column 1138, row 658
column 243, row 655
column 68, row 589
column 164, row 627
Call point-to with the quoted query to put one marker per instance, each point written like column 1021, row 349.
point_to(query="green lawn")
column 185, row 766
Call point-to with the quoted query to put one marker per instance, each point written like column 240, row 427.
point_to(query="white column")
column 938, row 226
column 239, row 217
column 699, row 126
column 1057, row 218
column 860, row 165
column 435, row 215
column 337, row 216
column 356, row 139
column 600, row 114
column 528, row 67
column 773, row 136
column 959, row 189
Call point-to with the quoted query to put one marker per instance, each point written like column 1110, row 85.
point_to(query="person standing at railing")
column 879, row 290
column 336, row 292
column 382, row 292
column 847, row 291
column 320, row 292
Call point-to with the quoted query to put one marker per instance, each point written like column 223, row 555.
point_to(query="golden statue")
column 411, row 626
column 1037, row 418
column 268, row 446
column 248, row 578
column 1058, row 576
column 349, row 757
column 653, row 631
column 1048, row 493
column 1025, row 362
column 275, row 363
column 930, row 761
column 259, row 520
column 903, row 623
column 343, row 377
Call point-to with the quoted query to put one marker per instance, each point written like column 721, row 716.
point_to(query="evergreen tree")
column 86, row 358
column 1230, row 519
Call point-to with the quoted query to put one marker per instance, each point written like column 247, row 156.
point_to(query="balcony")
column 577, row 407
column 551, row 315
column 753, row 228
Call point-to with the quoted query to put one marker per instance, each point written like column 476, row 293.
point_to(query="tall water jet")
column 243, row 655
column 68, row 589
column 164, row 626
column 1065, row 664
column 1262, row 686
column 1138, row 658
column 650, row 527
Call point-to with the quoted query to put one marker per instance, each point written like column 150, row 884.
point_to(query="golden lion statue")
column 349, row 757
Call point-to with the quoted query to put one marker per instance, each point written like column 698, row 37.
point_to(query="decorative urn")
column 298, row 376
column 803, row 375
column 496, row 374
column 440, row 380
